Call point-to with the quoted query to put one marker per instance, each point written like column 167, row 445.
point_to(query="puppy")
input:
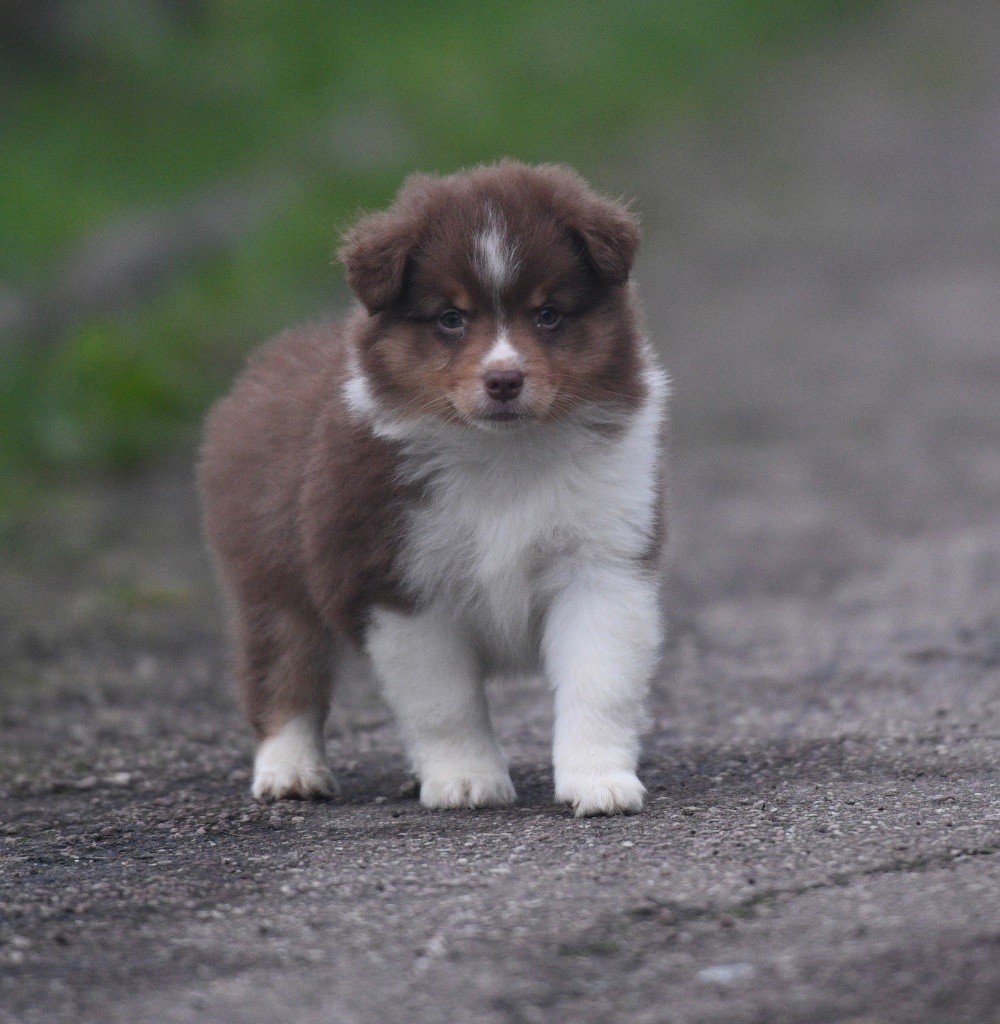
column 462, row 477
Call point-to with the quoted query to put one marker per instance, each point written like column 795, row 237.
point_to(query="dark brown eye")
column 451, row 322
column 548, row 317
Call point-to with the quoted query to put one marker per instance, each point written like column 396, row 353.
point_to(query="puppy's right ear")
column 375, row 253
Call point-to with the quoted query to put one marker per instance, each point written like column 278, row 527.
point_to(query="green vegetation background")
column 319, row 109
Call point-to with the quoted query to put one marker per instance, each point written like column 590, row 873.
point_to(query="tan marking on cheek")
column 462, row 369
column 414, row 380
column 464, row 380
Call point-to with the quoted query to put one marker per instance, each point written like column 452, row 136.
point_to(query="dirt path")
column 825, row 819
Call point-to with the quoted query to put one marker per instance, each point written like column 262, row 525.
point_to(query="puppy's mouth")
column 502, row 416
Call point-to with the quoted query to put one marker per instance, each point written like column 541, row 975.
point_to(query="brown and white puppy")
column 462, row 477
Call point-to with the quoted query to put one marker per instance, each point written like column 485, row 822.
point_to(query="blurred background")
column 176, row 172
column 818, row 184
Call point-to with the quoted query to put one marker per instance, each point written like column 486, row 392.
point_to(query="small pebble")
column 726, row 974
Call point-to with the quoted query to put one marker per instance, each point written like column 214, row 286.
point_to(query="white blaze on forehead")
column 495, row 253
column 502, row 351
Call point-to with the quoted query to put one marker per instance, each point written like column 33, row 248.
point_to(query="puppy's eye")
column 548, row 317
column 451, row 322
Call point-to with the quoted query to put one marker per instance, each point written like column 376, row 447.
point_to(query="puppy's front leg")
column 599, row 647
column 432, row 681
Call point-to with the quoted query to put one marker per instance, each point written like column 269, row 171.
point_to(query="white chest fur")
column 504, row 517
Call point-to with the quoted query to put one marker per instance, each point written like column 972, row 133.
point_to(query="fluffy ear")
column 609, row 234
column 375, row 253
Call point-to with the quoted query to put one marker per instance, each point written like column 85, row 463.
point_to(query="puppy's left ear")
column 610, row 235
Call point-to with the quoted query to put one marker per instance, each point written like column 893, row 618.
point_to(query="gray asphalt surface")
column 822, row 838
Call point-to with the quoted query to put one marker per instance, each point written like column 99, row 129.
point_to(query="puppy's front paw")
column 616, row 791
column 286, row 768
column 292, row 782
column 486, row 789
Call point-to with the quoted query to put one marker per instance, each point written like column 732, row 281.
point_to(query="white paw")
column 617, row 791
column 289, row 766
column 292, row 782
column 485, row 789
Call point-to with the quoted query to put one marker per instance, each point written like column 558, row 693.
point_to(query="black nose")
column 503, row 385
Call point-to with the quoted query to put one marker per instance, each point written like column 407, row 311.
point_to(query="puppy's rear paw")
column 487, row 789
column 601, row 792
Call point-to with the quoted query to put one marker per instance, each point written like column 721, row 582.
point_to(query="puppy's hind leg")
column 283, row 666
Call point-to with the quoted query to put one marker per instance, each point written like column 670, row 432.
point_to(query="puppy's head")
column 497, row 297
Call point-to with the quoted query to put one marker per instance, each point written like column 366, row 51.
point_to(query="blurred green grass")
column 336, row 101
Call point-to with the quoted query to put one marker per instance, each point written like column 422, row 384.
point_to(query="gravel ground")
column 821, row 843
